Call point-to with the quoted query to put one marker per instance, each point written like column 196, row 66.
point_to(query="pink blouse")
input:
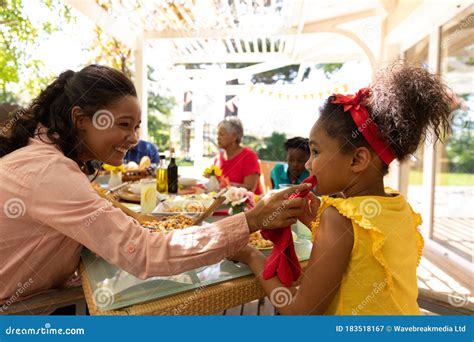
column 49, row 211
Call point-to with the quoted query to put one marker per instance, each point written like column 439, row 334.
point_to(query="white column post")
column 429, row 154
column 199, row 110
column 141, row 80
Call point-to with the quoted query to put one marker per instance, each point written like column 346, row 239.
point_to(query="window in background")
column 453, row 224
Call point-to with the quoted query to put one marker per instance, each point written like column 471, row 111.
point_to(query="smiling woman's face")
column 111, row 132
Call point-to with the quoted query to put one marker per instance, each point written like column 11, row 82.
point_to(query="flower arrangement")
column 213, row 170
column 114, row 169
column 115, row 174
column 240, row 199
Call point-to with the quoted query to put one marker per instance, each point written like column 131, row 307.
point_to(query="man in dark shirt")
column 143, row 148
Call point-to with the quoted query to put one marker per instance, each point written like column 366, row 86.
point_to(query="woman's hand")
column 247, row 254
column 277, row 210
column 310, row 209
column 224, row 182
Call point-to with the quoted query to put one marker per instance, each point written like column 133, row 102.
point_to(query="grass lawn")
column 182, row 162
column 462, row 179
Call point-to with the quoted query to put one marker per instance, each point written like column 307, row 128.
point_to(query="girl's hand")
column 247, row 254
column 309, row 210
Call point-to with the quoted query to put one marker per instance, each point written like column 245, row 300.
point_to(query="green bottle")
column 172, row 174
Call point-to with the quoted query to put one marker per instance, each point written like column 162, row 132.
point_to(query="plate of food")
column 256, row 240
column 131, row 192
column 169, row 223
column 185, row 205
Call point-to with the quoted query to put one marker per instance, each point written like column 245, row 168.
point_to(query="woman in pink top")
column 238, row 164
column 49, row 211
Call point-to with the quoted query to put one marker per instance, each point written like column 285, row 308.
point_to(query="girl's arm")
column 328, row 261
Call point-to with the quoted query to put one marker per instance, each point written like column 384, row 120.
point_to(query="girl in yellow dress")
column 366, row 240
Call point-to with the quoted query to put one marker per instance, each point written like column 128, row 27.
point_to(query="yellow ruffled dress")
column 381, row 276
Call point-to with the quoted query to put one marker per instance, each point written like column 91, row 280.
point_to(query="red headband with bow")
column 365, row 124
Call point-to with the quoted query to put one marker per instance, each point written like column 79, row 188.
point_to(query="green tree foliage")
column 111, row 52
column 19, row 38
column 460, row 145
column 252, row 141
column 329, row 68
column 268, row 148
column 159, row 109
column 460, row 152
column 288, row 73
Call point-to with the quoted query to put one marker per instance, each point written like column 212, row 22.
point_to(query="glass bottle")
column 172, row 174
column 162, row 176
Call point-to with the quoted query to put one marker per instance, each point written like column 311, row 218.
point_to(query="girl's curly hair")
column 405, row 101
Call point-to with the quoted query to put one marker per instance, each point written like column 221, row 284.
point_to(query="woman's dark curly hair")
column 405, row 101
column 93, row 88
column 298, row 143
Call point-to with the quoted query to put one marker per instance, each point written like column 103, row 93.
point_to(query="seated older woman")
column 238, row 163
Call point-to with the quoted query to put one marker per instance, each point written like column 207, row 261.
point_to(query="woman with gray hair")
column 239, row 164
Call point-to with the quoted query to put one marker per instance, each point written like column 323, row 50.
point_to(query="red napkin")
column 283, row 261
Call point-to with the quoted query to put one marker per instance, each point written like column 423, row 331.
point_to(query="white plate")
column 132, row 206
column 186, row 182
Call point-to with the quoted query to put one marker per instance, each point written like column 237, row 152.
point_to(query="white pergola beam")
column 325, row 24
column 230, row 58
column 310, row 27
column 119, row 30
column 239, row 45
column 231, row 74
column 247, row 46
column 413, row 13
column 210, row 33
column 329, row 57
column 229, row 45
column 255, row 45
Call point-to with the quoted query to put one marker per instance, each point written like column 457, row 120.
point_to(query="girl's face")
column 225, row 138
column 296, row 159
column 327, row 162
column 111, row 132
